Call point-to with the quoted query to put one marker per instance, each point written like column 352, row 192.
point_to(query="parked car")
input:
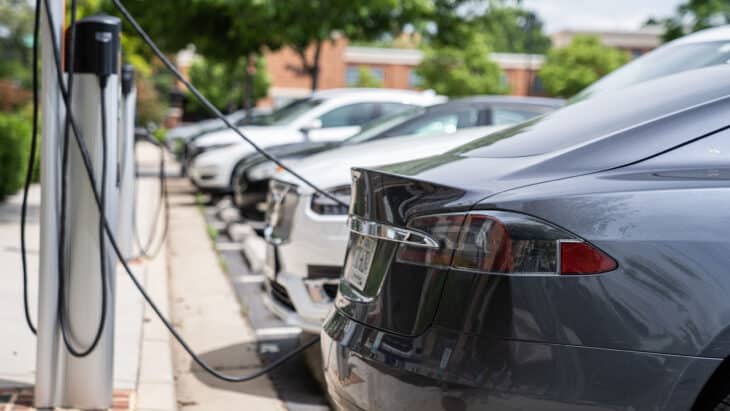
column 307, row 232
column 701, row 49
column 251, row 177
column 179, row 135
column 577, row 261
column 330, row 115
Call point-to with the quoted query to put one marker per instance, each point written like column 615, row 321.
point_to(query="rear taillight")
column 501, row 242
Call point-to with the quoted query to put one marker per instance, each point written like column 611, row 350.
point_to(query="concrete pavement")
column 207, row 314
column 149, row 387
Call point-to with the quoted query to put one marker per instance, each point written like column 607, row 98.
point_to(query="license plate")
column 363, row 251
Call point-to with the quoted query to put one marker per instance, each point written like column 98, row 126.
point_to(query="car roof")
column 339, row 92
column 719, row 33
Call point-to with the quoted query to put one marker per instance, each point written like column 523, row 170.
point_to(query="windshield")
column 662, row 62
column 376, row 128
column 287, row 114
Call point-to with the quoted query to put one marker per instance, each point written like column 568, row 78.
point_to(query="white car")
column 307, row 232
column 185, row 132
column 330, row 115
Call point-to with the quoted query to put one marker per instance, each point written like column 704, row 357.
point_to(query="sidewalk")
column 208, row 315
column 146, row 387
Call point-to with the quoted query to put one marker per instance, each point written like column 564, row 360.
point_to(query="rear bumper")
column 369, row 369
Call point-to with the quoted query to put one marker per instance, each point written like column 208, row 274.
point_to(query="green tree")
column 512, row 29
column 14, row 152
column 305, row 24
column 214, row 80
column 16, row 41
column 506, row 24
column 366, row 78
column 223, row 31
column 570, row 69
column 695, row 15
column 461, row 71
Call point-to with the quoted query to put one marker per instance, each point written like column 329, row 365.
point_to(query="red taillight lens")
column 583, row 258
column 501, row 242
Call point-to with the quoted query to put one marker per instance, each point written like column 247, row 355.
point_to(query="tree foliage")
column 461, row 71
column 16, row 41
column 695, row 15
column 306, row 25
column 366, row 78
column 223, row 83
column 570, row 69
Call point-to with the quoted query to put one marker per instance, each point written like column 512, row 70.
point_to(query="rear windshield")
column 662, row 62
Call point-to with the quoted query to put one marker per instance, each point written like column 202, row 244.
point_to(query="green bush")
column 14, row 151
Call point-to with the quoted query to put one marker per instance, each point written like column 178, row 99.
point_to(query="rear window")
column 671, row 59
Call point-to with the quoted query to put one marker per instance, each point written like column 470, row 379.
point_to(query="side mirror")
column 315, row 124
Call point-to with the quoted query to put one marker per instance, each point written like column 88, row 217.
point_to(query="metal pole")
column 47, row 349
column 126, row 161
column 88, row 380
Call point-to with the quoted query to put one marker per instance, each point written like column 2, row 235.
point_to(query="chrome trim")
column 390, row 233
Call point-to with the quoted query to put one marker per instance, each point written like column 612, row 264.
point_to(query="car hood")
column 271, row 135
column 332, row 168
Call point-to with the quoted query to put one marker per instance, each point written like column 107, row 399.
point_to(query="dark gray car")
column 580, row 261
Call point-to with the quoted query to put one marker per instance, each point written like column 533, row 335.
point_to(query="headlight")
column 326, row 206
column 262, row 171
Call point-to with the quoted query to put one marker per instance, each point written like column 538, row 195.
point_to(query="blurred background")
column 265, row 53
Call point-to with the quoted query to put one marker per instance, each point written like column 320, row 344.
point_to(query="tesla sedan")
column 580, row 261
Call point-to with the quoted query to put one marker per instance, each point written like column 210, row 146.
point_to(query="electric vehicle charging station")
column 83, row 186
column 63, row 379
column 127, row 187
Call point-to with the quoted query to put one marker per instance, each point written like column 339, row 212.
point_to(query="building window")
column 352, row 76
column 378, row 73
column 414, row 80
column 538, row 87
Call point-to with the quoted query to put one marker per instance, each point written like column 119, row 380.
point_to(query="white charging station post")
column 125, row 237
column 83, row 383
column 48, row 343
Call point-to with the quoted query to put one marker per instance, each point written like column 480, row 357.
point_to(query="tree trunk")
column 314, row 68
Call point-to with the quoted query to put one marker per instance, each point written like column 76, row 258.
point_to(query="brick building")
column 394, row 67
column 634, row 42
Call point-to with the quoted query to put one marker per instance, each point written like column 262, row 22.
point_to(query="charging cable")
column 147, row 250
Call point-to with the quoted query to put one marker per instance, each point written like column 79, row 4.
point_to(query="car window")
column 512, row 115
column 447, row 122
column 287, row 114
column 379, row 127
column 350, row 115
column 661, row 62
column 387, row 109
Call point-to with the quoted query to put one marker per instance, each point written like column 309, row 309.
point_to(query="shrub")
column 14, row 151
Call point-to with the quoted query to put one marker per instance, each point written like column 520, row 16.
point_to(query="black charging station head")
column 97, row 45
column 127, row 79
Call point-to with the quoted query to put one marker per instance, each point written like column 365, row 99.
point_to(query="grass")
column 212, row 233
